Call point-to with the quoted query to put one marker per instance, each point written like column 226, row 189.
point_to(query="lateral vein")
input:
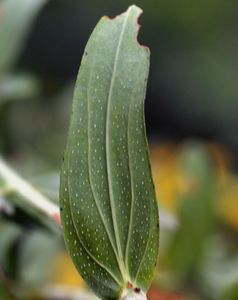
column 83, row 245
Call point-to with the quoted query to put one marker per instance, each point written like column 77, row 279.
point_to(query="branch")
column 29, row 194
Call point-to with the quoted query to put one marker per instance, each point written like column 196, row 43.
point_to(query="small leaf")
column 108, row 206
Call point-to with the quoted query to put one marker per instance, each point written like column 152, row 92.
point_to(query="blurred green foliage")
column 16, row 20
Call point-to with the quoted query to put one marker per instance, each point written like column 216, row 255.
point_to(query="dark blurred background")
column 192, row 124
column 193, row 81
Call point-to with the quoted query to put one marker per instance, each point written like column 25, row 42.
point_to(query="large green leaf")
column 108, row 206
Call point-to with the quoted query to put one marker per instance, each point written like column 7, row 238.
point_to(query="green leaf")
column 17, row 87
column 16, row 18
column 108, row 206
column 35, row 258
column 9, row 233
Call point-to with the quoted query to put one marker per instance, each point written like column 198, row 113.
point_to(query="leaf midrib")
column 90, row 176
column 111, row 196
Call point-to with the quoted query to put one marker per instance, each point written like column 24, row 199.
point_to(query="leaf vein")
column 83, row 245
column 111, row 196
column 90, row 179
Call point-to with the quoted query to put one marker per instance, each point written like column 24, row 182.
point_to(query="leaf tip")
column 135, row 8
column 136, row 12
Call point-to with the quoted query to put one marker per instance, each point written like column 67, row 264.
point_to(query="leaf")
column 16, row 17
column 196, row 213
column 36, row 256
column 17, row 87
column 108, row 206
column 9, row 233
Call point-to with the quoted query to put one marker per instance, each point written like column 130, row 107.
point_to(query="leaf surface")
column 108, row 206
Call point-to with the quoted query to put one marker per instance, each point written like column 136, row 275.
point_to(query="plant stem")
column 131, row 294
column 30, row 195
